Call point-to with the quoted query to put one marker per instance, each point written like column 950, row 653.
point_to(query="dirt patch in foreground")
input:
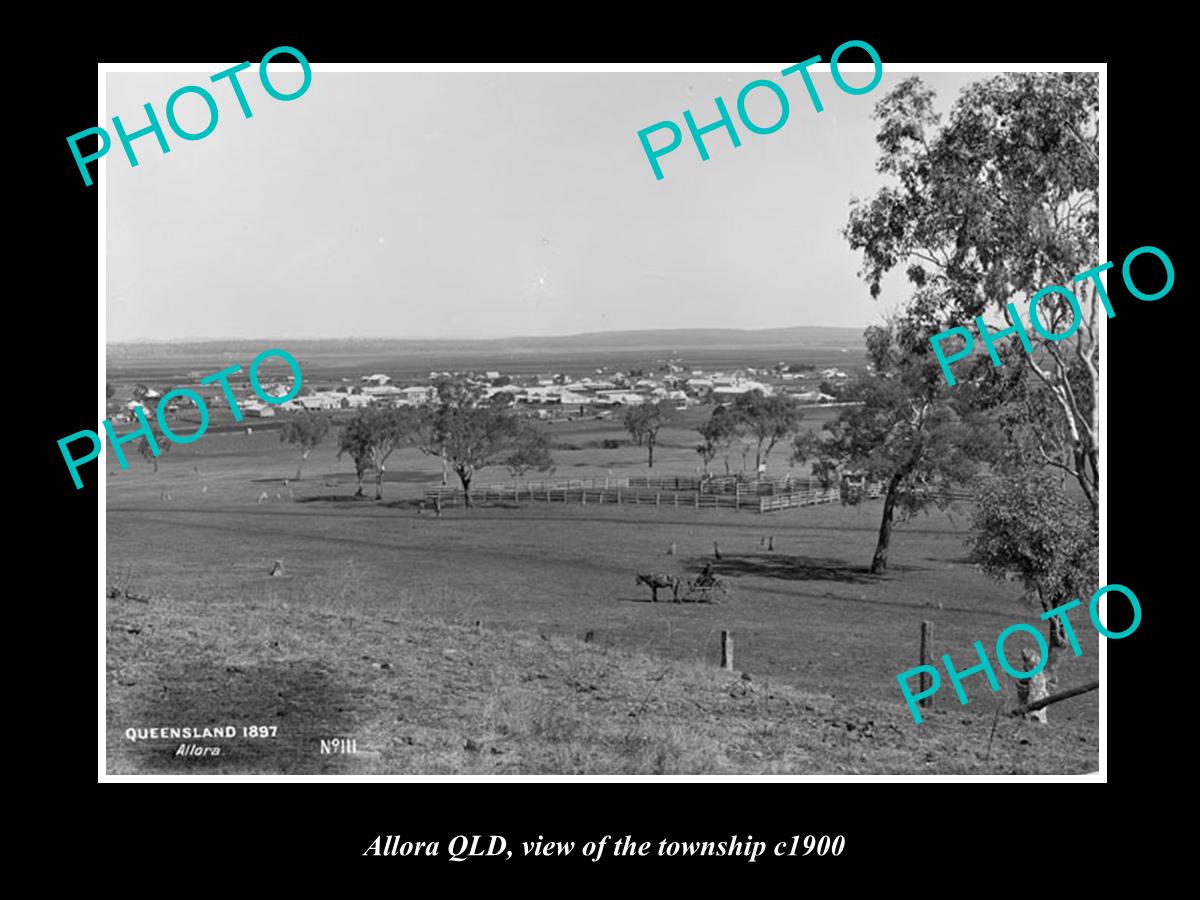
column 413, row 696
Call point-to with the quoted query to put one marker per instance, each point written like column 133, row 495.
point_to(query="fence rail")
column 569, row 484
column 759, row 496
column 598, row 496
column 800, row 498
column 715, row 484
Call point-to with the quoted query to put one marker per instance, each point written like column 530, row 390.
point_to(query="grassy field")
column 371, row 583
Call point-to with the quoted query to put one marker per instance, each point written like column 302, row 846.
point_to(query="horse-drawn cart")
column 704, row 588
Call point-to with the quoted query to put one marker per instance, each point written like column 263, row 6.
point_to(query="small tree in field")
column 477, row 437
column 644, row 422
column 766, row 421
column 718, row 434
column 146, row 453
column 306, row 431
column 909, row 431
column 371, row 436
column 450, row 395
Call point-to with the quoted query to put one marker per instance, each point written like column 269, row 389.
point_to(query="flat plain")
column 513, row 639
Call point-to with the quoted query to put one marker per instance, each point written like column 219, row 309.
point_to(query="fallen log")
column 1054, row 698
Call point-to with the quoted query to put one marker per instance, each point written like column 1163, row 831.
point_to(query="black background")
column 929, row 830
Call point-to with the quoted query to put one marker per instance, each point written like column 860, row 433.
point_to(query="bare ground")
column 419, row 696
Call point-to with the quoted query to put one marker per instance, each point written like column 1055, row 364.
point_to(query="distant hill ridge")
column 679, row 339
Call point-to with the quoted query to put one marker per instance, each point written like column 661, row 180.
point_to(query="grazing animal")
column 656, row 581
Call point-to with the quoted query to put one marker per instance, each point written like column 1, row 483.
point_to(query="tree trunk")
column 358, row 493
column 466, row 486
column 379, row 484
column 156, row 465
column 300, row 465
column 650, row 443
column 1031, row 690
column 1056, row 641
column 444, row 480
column 726, row 459
column 879, row 563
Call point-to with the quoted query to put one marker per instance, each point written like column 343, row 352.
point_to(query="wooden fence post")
column 926, row 657
column 697, row 499
column 658, row 499
column 618, row 496
column 727, row 651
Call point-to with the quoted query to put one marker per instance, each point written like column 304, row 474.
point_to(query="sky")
column 477, row 205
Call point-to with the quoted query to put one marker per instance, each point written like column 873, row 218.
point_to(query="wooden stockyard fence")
column 761, row 495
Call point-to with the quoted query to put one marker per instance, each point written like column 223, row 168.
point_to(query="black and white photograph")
column 588, row 422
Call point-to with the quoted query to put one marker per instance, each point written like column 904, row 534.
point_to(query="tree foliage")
column 755, row 420
column 718, row 434
column 910, row 430
column 449, row 394
column 472, row 438
column 766, row 421
column 371, row 437
column 470, row 433
column 147, row 453
column 643, row 423
column 1028, row 528
column 306, row 431
column 986, row 209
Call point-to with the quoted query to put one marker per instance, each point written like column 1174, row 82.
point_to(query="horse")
column 655, row 581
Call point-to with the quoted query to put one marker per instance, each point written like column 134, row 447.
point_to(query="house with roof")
column 415, row 395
